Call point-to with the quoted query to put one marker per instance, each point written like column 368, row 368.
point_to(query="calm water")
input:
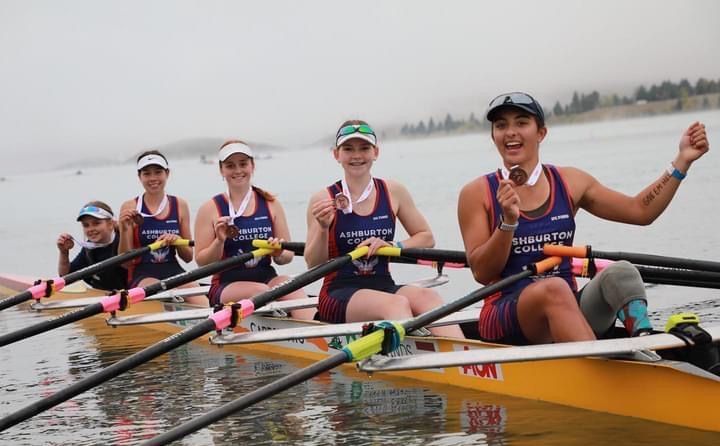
column 340, row 408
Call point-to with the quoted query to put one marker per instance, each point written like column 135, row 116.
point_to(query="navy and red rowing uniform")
column 345, row 233
column 498, row 318
column 258, row 225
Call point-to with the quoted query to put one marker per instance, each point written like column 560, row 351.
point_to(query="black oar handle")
column 438, row 255
column 108, row 373
column 44, row 326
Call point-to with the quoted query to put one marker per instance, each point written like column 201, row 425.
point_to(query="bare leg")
column 371, row 305
column 303, row 313
column 237, row 291
column 548, row 312
column 423, row 300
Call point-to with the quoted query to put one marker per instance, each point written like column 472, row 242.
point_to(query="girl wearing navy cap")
column 507, row 216
column 226, row 225
column 101, row 243
column 151, row 216
column 360, row 210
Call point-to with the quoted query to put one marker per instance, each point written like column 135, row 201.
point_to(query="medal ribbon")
column 92, row 245
column 243, row 205
column 163, row 204
column 365, row 194
column 534, row 176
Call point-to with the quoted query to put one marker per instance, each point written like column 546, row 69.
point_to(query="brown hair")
column 263, row 193
column 100, row 204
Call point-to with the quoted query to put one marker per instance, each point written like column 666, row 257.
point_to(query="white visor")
column 367, row 137
column 150, row 160
column 233, row 148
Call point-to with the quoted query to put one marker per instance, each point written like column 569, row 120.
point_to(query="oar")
column 121, row 300
column 401, row 255
column 361, row 348
column 48, row 287
column 652, row 274
column 217, row 321
column 642, row 259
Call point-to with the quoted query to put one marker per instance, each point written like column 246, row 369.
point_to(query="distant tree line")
column 667, row 90
column 580, row 103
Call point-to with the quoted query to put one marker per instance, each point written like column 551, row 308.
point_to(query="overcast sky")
column 117, row 76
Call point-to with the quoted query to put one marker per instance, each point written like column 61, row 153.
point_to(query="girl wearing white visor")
column 151, row 216
column 226, row 225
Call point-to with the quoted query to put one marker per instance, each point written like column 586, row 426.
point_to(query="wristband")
column 674, row 172
column 508, row 227
column 397, row 245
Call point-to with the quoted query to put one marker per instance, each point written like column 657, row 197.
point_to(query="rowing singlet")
column 555, row 226
column 348, row 230
column 152, row 228
column 259, row 225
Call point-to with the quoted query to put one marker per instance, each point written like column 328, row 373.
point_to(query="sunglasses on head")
column 512, row 98
column 355, row 128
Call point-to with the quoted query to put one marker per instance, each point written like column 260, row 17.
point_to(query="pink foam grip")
column 221, row 318
column 111, row 303
column 247, row 307
column 38, row 290
column 136, row 295
column 58, row 283
column 579, row 266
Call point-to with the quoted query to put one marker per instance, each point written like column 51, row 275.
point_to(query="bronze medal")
column 138, row 219
column 518, row 176
column 232, row 231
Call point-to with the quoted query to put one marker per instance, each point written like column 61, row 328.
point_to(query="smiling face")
column 153, row 178
column 97, row 230
column 356, row 156
column 517, row 137
column 237, row 170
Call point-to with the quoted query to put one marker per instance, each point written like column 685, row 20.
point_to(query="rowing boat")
column 597, row 383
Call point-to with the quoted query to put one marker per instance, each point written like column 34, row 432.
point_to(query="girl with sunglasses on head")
column 226, row 225
column 101, row 243
column 360, row 210
column 507, row 216
column 152, row 216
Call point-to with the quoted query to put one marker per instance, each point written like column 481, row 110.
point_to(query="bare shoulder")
column 128, row 204
column 475, row 189
column 396, row 188
column 208, row 207
column 319, row 195
column 577, row 180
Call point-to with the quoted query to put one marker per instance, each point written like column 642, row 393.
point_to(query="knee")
column 430, row 297
column 622, row 271
column 621, row 282
column 556, row 292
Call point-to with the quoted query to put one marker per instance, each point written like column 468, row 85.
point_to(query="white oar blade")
column 605, row 347
column 326, row 330
column 154, row 318
column 430, row 282
column 175, row 294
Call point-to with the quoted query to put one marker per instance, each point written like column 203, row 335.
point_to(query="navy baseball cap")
column 519, row 100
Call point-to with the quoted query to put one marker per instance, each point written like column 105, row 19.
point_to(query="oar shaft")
column 108, row 373
column 637, row 258
column 44, row 326
column 248, row 400
column 669, row 276
column 15, row 300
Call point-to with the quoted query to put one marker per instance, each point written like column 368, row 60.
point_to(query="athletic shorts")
column 259, row 275
column 332, row 306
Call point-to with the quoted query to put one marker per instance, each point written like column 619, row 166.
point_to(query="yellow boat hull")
column 658, row 391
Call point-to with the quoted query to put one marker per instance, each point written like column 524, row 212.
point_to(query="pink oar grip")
column 223, row 317
column 111, row 303
column 581, row 267
column 136, row 295
column 38, row 291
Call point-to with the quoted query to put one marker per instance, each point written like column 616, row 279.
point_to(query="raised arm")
column 643, row 208
column 126, row 226
column 210, row 234
column 185, row 252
